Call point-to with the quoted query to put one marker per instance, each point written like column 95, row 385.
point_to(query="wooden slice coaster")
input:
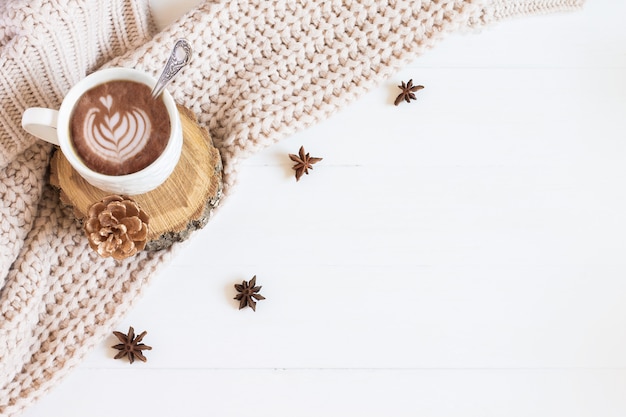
column 182, row 204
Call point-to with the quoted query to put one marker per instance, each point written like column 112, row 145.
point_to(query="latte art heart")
column 118, row 129
column 117, row 136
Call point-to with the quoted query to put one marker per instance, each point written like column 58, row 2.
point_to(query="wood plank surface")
column 462, row 255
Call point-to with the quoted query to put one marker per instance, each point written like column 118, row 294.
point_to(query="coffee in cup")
column 113, row 134
column 117, row 128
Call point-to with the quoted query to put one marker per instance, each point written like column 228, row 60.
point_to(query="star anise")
column 131, row 345
column 407, row 92
column 303, row 161
column 248, row 292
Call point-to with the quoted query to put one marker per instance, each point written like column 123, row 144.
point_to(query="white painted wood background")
column 463, row 255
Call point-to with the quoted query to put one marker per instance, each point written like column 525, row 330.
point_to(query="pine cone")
column 116, row 227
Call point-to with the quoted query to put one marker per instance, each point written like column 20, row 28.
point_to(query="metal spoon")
column 180, row 56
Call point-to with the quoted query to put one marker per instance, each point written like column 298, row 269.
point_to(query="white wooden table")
column 462, row 255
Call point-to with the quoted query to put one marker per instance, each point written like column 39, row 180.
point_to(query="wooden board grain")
column 182, row 204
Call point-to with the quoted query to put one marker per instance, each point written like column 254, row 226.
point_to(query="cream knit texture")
column 262, row 70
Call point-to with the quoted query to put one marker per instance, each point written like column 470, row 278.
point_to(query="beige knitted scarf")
column 262, row 69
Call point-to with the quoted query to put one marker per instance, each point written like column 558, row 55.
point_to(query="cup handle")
column 41, row 122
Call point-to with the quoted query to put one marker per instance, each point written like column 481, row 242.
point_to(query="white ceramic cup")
column 54, row 126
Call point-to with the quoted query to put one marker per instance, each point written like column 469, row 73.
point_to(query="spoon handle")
column 180, row 56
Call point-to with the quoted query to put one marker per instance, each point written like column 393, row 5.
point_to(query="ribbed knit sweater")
column 262, row 69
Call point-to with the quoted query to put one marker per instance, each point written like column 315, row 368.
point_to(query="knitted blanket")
column 262, row 69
